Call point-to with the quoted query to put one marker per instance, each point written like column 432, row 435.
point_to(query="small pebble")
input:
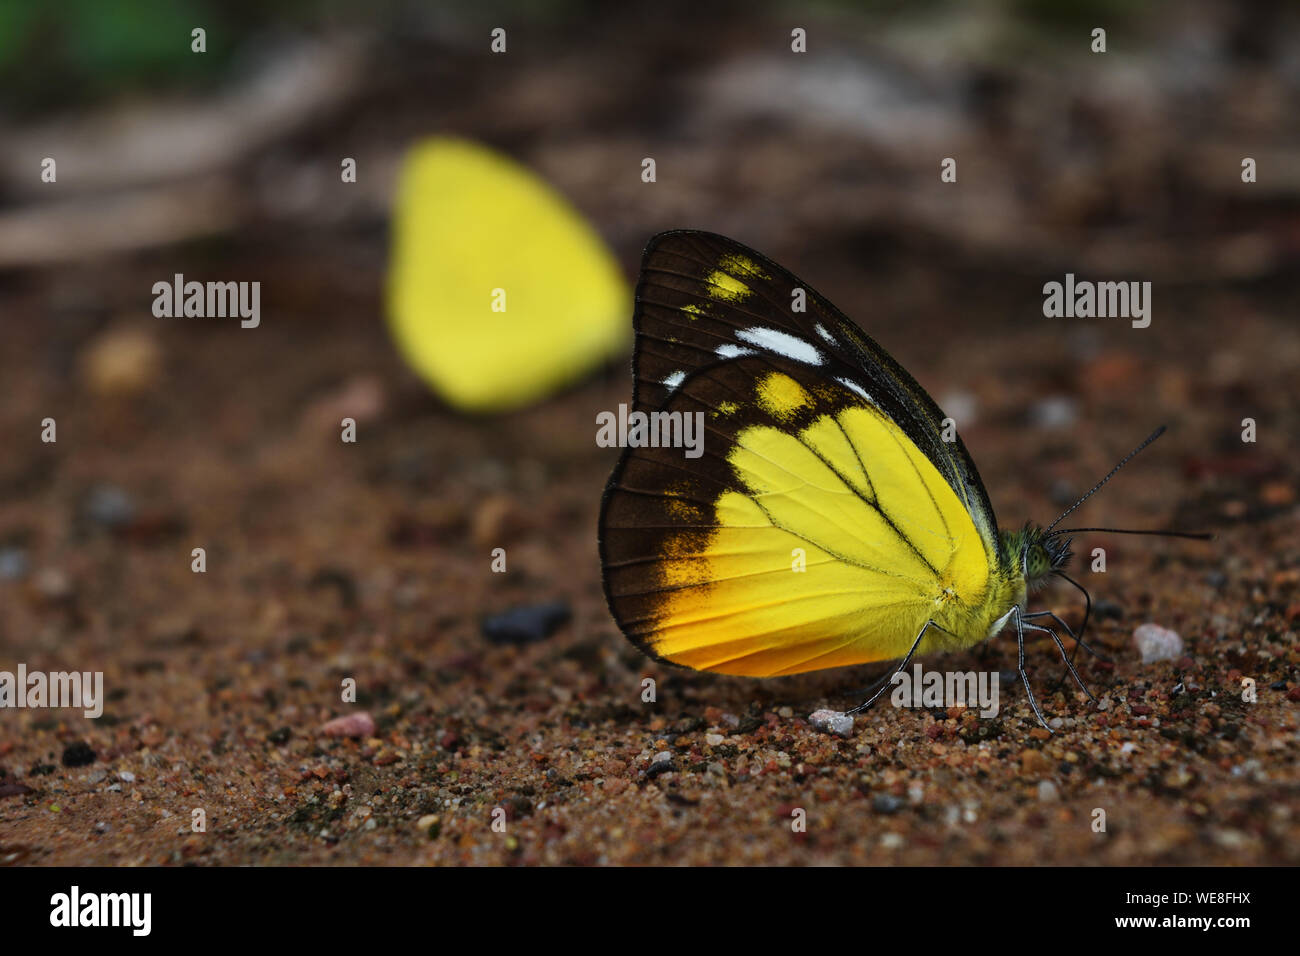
column 714, row 740
column 1103, row 609
column 1047, row 791
column 832, row 722
column 1156, row 643
column 109, row 506
column 887, row 803
column 78, row 754
column 13, row 564
column 526, row 625
column 658, row 766
column 121, row 361
column 1055, row 411
column 351, row 725
column 126, row 776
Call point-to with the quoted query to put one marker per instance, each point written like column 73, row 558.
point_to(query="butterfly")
column 828, row 518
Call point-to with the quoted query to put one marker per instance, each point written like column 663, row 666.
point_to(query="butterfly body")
column 831, row 520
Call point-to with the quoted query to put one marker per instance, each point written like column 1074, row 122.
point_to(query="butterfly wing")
column 811, row 532
column 703, row 298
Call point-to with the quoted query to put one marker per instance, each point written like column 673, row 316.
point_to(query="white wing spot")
column 782, row 343
column 853, row 386
column 673, row 380
column 821, row 330
column 732, row 351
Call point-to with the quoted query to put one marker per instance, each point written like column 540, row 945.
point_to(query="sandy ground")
column 370, row 561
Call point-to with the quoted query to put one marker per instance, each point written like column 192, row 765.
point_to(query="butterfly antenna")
column 1194, row 535
column 1097, row 487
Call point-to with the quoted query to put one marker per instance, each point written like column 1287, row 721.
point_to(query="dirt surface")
column 371, row 561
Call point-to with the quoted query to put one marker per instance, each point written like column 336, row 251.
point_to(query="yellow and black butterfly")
column 820, row 454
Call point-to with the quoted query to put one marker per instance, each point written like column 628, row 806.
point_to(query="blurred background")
column 371, row 561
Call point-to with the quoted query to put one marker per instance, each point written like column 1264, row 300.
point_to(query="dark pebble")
column 688, row 725
column 341, row 581
column 1277, row 685
column 557, row 779
column 661, row 766
column 13, row 563
column 887, row 803
column 748, row 724
column 517, row 806
column 279, row 735
column 526, row 625
column 12, row 788
column 1103, row 609
column 109, row 505
column 78, row 754
column 1216, row 579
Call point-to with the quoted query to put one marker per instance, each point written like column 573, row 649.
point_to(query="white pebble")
column 714, row 740
column 1047, row 791
column 832, row 722
column 1054, row 411
column 1156, row 643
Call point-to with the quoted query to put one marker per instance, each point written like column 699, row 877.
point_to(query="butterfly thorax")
column 1030, row 553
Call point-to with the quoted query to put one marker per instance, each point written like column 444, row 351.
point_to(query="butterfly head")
column 1034, row 554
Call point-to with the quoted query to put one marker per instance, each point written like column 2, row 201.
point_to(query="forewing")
column 703, row 298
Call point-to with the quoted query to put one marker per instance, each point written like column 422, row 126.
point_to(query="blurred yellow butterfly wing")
column 499, row 292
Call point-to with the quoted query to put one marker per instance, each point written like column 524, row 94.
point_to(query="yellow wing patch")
column 888, row 546
column 781, row 396
column 726, row 287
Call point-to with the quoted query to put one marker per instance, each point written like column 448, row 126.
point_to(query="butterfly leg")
column 1064, row 656
column 1083, row 628
column 876, row 684
column 1020, row 642
column 1069, row 630
column 890, row 676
